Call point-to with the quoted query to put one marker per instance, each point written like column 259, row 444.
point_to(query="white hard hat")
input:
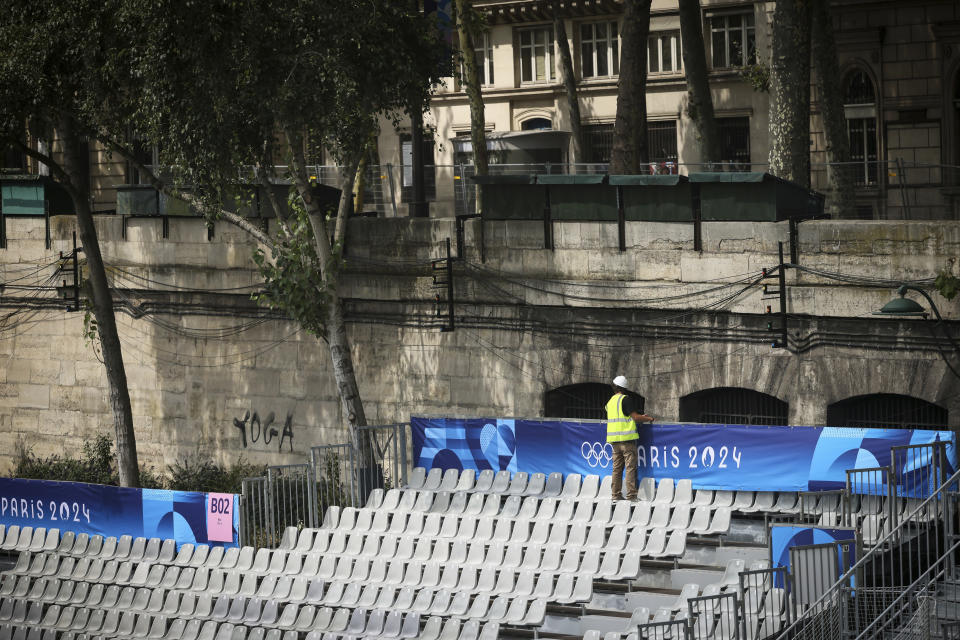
column 620, row 381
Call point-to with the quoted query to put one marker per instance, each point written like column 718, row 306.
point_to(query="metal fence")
column 386, row 465
column 336, row 483
column 285, row 497
column 714, row 616
column 765, row 607
column 342, row 475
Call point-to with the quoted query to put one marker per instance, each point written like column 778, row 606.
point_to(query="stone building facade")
column 900, row 68
column 538, row 332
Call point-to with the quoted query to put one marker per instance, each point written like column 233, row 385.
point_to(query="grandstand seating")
column 452, row 555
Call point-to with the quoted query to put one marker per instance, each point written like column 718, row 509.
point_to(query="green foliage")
column 96, row 464
column 198, row 472
column 947, row 284
column 758, row 75
column 293, row 280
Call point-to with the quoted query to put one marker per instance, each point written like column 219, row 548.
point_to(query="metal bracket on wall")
column 461, row 221
column 71, row 292
column 697, row 217
column 621, row 221
column 547, row 221
column 443, row 279
column 781, row 294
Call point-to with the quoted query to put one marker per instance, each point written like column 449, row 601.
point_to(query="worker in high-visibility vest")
column 623, row 414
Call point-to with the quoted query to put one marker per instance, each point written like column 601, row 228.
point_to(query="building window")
column 735, row 143
column 599, row 49
column 860, row 107
column 597, row 143
column 662, row 139
column 663, row 52
column 483, row 58
column 536, row 124
column 429, row 170
column 732, row 405
column 12, row 160
column 733, row 39
column 585, row 401
column 536, row 55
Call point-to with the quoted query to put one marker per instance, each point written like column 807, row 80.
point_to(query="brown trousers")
column 624, row 454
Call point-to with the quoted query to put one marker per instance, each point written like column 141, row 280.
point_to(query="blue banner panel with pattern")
column 116, row 511
column 713, row 456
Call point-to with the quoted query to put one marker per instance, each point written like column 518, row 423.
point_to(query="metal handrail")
column 908, row 590
column 875, row 551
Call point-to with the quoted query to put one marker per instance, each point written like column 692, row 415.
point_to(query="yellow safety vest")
column 620, row 426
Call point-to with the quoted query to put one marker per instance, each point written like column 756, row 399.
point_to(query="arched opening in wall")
column 586, row 401
column 733, row 405
column 536, row 124
column 888, row 411
column 860, row 108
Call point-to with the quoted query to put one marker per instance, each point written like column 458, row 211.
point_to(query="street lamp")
column 904, row 307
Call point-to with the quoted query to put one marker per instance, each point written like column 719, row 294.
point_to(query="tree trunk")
column 338, row 343
column 102, row 303
column 630, row 153
column 699, row 99
column 839, row 175
column 570, row 86
column 790, row 92
column 471, row 84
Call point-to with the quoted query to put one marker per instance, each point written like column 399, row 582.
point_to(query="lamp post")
column 904, row 307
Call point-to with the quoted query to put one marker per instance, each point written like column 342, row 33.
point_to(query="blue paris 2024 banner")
column 713, row 456
column 185, row 516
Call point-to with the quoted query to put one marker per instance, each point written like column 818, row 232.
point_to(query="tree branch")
column 64, row 179
column 233, row 218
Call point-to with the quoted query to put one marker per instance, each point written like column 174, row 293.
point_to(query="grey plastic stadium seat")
column 606, row 483
column 417, row 478
column 723, row 499
column 466, row 480
column 646, row 490
column 449, row 480
column 554, row 485
column 589, row 488
column 484, row 481
column 571, row 486
column 433, row 480
column 743, row 501
column 501, row 481
column 721, row 521
column 683, row 492
column 703, row 497
column 12, row 536
column 536, row 483
column 518, row 484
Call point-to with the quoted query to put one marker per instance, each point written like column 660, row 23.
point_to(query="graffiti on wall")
column 254, row 429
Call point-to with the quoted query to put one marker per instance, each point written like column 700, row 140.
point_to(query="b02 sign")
column 220, row 517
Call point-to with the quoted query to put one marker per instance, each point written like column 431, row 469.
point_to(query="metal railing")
column 881, row 594
column 387, row 465
column 336, row 483
column 286, row 497
column 298, row 495
column 894, row 189
column 714, row 616
column 764, row 601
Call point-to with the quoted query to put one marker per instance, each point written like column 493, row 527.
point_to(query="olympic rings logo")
column 597, row 454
